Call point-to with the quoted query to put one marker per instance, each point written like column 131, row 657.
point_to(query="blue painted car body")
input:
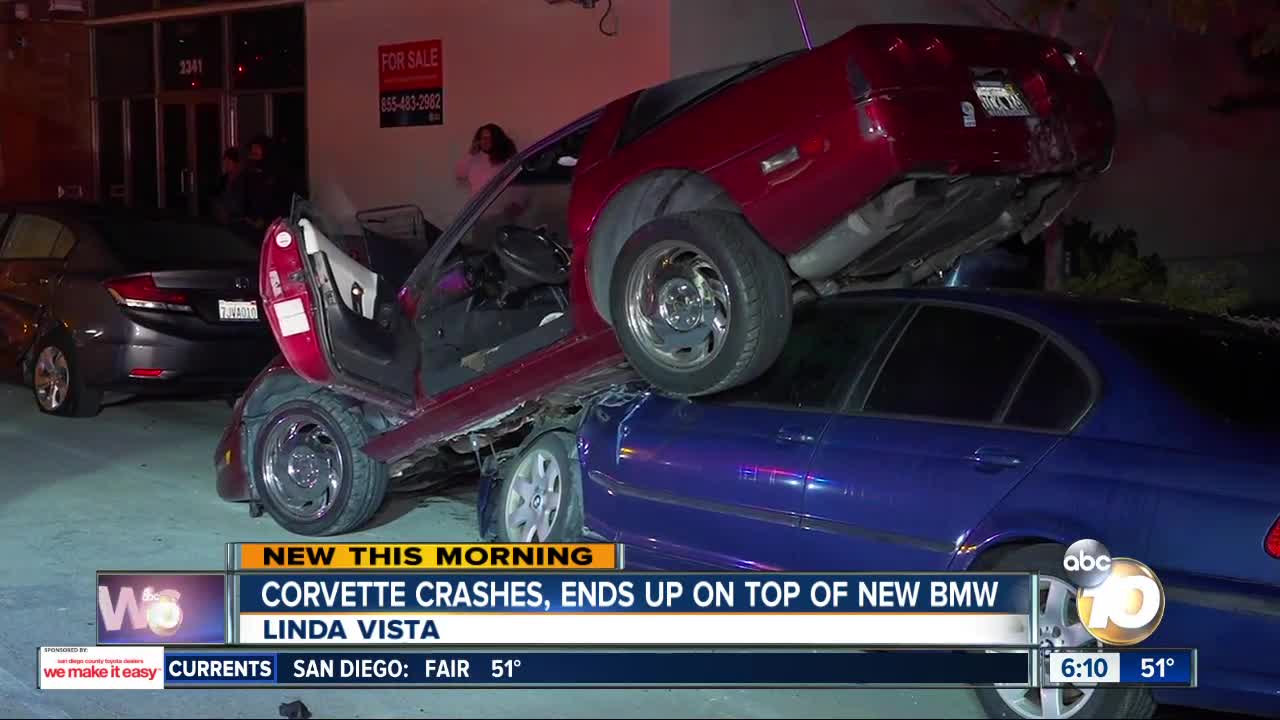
column 690, row 485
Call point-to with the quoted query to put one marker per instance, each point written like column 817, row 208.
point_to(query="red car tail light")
column 1036, row 90
column 140, row 292
column 901, row 51
column 147, row 372
column 1272, row 543
column 937, row 51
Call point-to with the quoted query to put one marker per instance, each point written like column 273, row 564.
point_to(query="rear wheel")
column 1061, row 627
column 57, row 382
column 541, row 493
column 310, row 473
column 700, row 304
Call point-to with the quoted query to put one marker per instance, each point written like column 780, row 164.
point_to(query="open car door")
column 337, row 322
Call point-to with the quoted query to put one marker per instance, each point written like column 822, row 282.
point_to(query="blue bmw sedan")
column 949, row 429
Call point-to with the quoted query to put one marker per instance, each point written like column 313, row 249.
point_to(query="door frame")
column 190, row 99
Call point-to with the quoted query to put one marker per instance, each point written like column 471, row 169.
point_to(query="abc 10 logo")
column 1120, row 601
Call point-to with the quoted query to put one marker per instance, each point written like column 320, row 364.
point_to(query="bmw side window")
column 1054, row 394
column 826, row 345
column 33, row 237
column 953, row 364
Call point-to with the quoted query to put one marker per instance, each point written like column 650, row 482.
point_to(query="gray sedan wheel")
column 57, row 383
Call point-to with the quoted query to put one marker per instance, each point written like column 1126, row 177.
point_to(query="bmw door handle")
column 794, row 436
column 995, row 458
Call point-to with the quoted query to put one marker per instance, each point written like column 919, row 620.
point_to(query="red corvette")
column 667, row 235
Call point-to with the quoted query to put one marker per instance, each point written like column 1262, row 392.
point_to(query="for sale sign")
column 411, row 84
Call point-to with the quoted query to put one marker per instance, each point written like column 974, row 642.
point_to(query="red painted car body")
column 798, row 145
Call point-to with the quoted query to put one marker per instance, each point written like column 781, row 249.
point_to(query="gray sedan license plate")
column 1001, row 100
column 237, row 310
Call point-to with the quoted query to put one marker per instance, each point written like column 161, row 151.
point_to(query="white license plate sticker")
column 237, row 310
column 292, row 317
column 1001, row 100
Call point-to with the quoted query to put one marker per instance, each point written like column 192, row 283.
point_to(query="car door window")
column 827, row 344
column 34, row 237
column 953, row 364
column 532, row 192
column 1054, row 395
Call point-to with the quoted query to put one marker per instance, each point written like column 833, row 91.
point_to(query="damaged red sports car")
column 667, row 235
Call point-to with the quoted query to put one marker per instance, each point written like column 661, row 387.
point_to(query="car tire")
column 540, row 498
column 308, row 441
column 1046, row 559
column 699, row 303
column 57, row 382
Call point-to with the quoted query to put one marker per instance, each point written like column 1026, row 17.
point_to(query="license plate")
column 1001, row 100
column 237, row 310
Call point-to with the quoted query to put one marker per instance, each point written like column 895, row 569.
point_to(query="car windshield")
column 1223, row 367
column 174, row 244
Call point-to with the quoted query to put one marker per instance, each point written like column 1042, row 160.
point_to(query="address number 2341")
column 192, row 66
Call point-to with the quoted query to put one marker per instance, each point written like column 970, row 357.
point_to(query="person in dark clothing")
column 228, row 201
column 262, row 187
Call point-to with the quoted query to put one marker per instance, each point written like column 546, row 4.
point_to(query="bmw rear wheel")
column 309, row 472
column 57, row 382
column 541, row 493
column 1060, row 628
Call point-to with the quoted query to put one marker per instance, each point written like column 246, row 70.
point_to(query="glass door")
column 192, row 132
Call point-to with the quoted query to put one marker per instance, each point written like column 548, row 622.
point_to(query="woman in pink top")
column 491, row 148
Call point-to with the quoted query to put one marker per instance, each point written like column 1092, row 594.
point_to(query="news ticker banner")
column 757, row 609
column 591, row 609
column 153, row 668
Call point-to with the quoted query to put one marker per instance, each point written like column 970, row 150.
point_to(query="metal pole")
column 804, row 27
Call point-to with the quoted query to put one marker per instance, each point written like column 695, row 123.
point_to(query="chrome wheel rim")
column 302, row 466
column 52, row 378
column 678, row 306
column 1060, row 627
column 534, row 497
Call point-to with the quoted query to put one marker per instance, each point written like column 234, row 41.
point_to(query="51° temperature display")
column 505, row 668
column 1123, row 667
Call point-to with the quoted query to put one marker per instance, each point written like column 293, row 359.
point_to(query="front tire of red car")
column 308, row 469
column 699, row 303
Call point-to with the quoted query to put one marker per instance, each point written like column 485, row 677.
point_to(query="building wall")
column 712, row 33
column 1191, row 182
column 46, row 137
column 528, row 65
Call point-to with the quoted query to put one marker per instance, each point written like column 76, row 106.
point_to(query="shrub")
column 1109, row 265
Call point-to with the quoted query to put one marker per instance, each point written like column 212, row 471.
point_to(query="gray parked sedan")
column 94, row 300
